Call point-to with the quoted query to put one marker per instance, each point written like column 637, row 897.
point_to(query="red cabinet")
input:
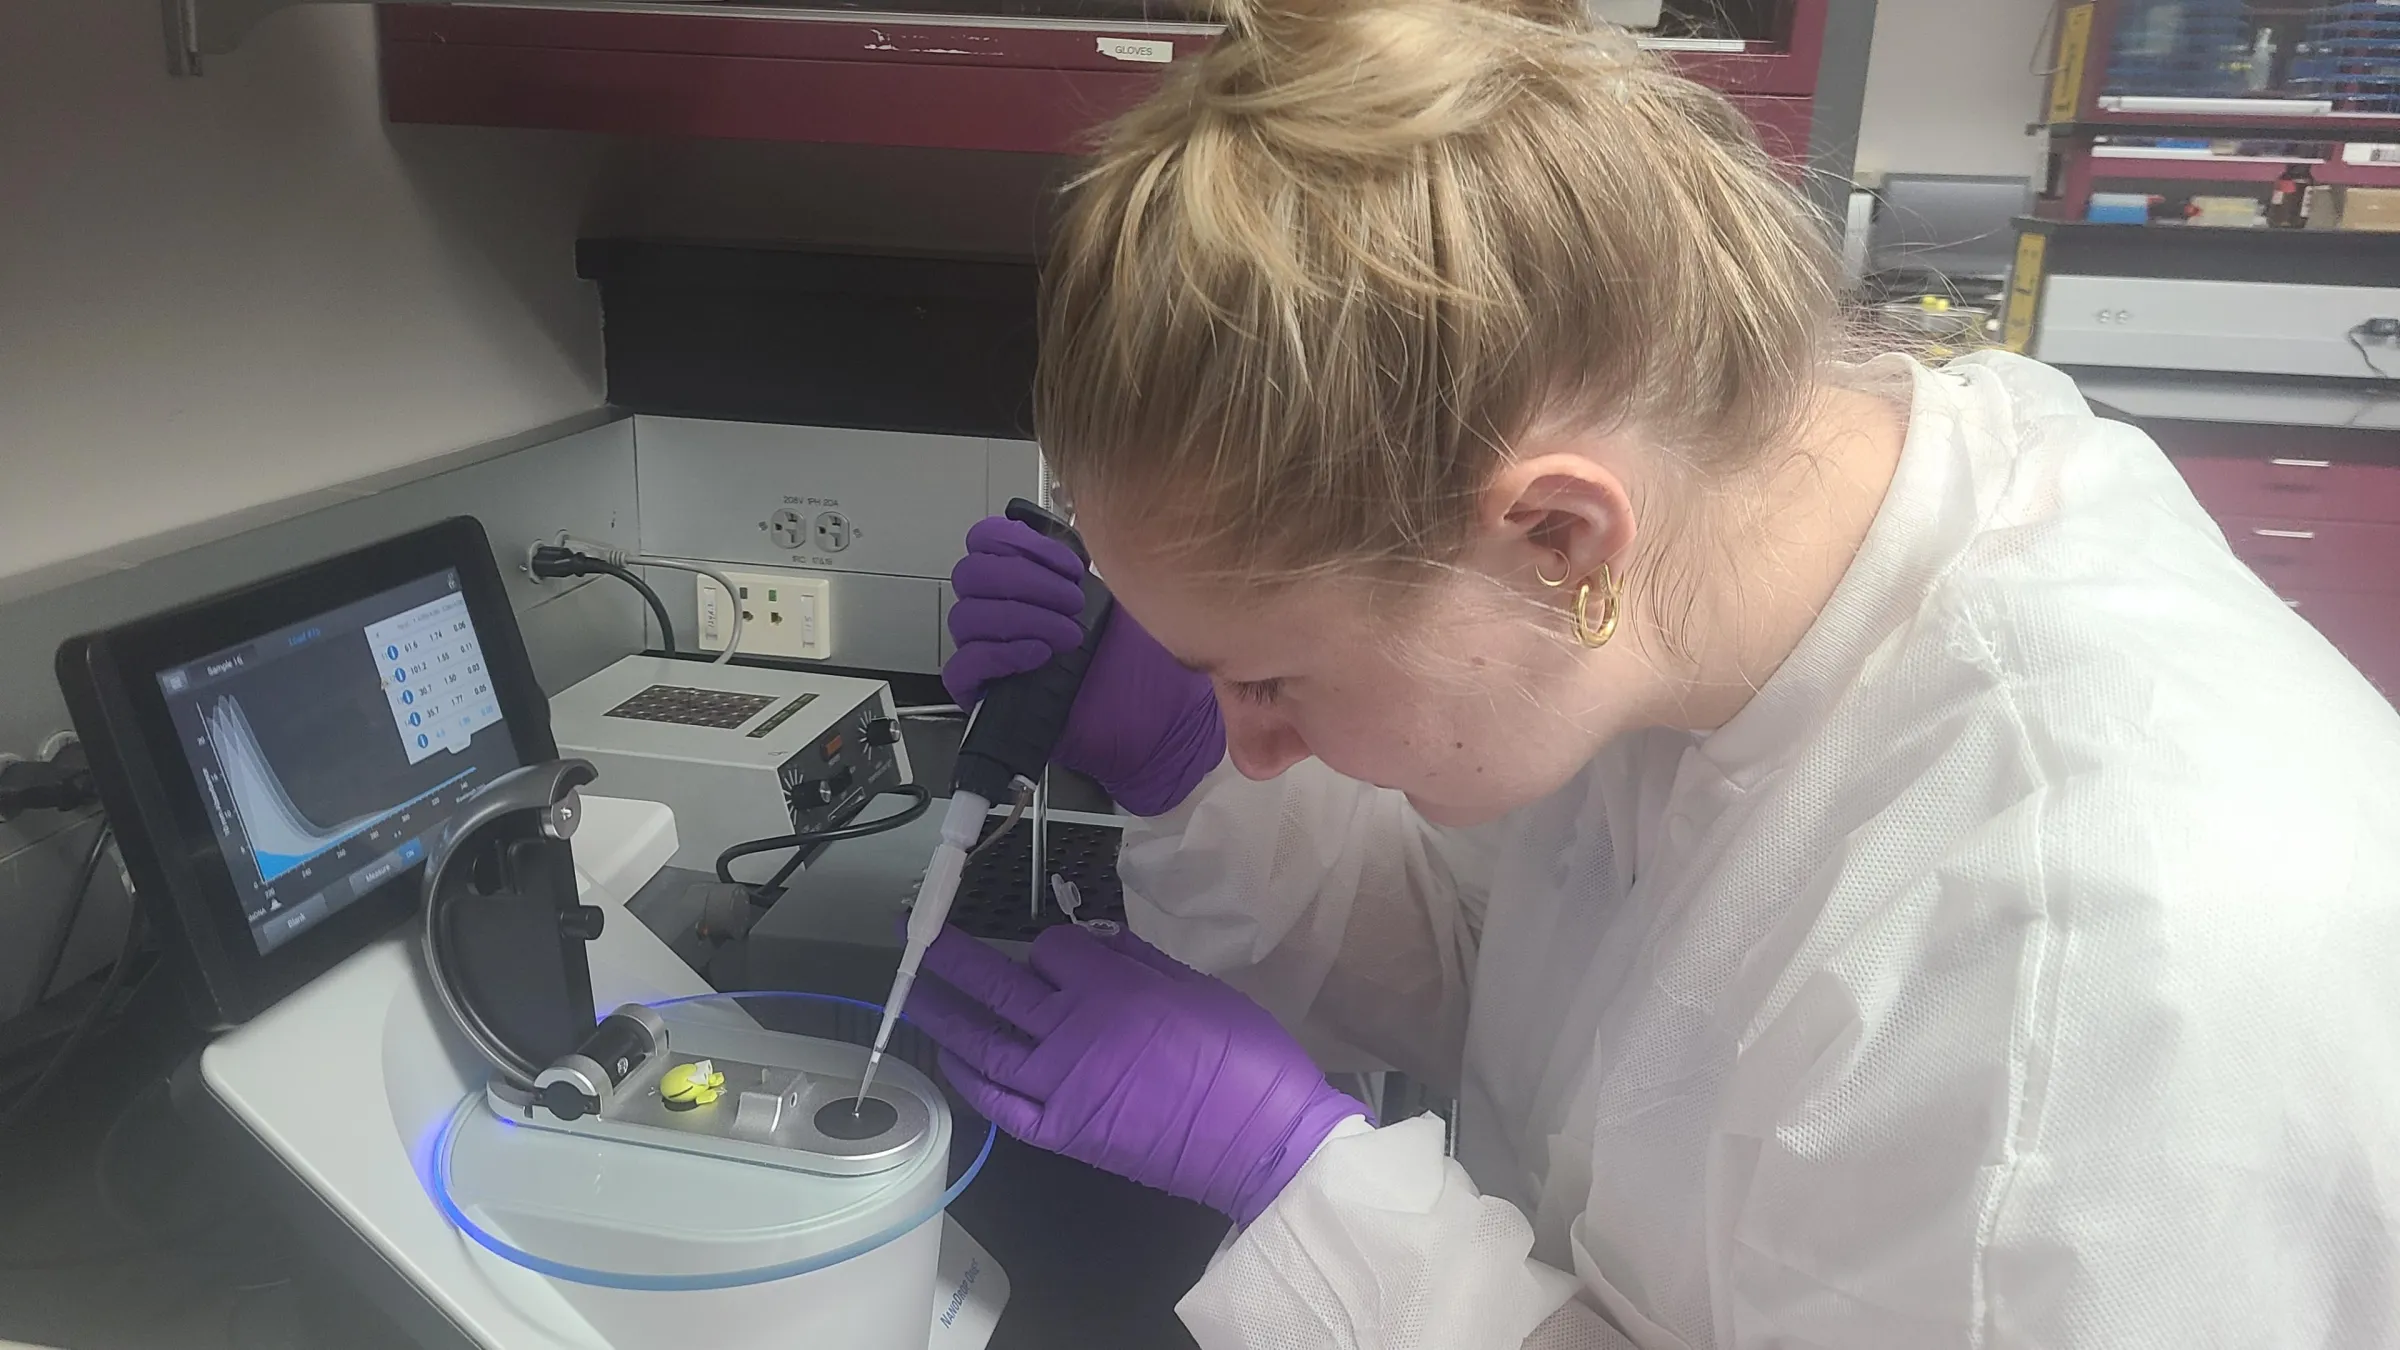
column 1784, row 125
column 2309, row 489
column 2292, row 554
column 835, row 78
column 1027, row 75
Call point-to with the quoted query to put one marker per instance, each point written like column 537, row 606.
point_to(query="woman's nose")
column 1261, row 743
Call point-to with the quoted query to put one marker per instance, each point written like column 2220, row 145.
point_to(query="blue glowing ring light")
column 682, row 1284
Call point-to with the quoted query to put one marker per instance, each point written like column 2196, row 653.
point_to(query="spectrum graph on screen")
column 332, row 754
column 281, row 836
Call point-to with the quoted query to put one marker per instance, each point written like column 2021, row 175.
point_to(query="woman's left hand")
column 1109, row 1051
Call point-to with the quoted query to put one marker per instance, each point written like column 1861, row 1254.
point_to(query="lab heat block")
column 741, row 753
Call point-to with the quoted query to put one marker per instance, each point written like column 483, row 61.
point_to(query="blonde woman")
column 1874, row 870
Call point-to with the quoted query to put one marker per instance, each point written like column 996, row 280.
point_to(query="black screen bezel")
column 146, row 783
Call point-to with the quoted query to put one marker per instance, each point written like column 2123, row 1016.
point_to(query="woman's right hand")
column 1143, row 725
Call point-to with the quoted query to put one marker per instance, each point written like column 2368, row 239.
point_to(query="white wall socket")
column 783, row 614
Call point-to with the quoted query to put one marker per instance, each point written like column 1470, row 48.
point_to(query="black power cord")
column 658, row 607
column 2382, row 330
column 84, row 876
column 920, row 801
column 91, row 1019
column 61, row 784
column 552, row 562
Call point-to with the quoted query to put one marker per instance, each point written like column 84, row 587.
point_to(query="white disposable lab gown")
column 2020, row 968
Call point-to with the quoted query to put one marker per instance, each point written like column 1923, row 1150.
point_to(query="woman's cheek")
column 1389, row 751
column 1332, row 739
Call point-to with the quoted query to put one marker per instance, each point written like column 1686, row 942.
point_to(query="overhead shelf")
column 1035, row 76
column 2198, row 77
column 2377, row 127
column 2204, row 81
column 1032, row 76
column 1785, row 63
column 2315, row 257
column 2240, row 169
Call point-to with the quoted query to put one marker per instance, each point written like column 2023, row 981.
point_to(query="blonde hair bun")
column 1309, row 293
column 1368, row 80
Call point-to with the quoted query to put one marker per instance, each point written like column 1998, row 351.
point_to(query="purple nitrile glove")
column 1110, row 1052
column 1144, row 726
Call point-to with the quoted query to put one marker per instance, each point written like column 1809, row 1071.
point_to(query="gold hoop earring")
column 1613, row 590
column 1564, row 567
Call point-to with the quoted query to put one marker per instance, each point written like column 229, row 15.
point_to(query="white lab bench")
column 346, row 1084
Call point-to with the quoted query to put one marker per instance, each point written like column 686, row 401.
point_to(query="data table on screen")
column 434, row 677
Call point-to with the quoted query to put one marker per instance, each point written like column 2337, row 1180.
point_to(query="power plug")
column 60, row 781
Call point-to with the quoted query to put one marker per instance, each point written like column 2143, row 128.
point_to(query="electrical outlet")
column 783, row 614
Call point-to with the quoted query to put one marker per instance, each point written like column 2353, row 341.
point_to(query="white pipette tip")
column 874, row 1062
column 960, row 829
column 883, row 1039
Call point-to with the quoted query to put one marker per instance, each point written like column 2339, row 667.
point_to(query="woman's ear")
column 1558, row 516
